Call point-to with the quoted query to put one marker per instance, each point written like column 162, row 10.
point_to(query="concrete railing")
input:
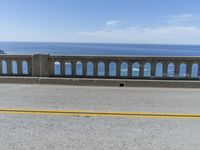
column 117, row 67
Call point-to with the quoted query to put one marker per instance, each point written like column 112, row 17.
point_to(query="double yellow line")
column 98, row 113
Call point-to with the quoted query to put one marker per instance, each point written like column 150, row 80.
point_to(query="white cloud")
column 157, row 35
column 112, row 23
column 182, row 18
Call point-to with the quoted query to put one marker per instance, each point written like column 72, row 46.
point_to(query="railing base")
column 103, row 82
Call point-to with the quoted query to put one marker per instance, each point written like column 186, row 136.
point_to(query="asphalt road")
column 57, row 132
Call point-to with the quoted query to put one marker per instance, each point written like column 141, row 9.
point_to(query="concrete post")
column 19, row 67
column 0, row 67
column 9, row 67
column 188, row 70
column 129, row 70
column 176, row 70
column 153, row 70
column 40, row 65
column 118, row 69
column 73, row 68
column 95, row 69
column 165, row 70
column 84, row 68
column 106, row 69
column 141, row 70
column 62, row 68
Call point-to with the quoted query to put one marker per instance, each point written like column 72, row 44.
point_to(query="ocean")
column 99, row 49
column 103, row 49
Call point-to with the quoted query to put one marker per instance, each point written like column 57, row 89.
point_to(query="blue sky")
column 101, row 21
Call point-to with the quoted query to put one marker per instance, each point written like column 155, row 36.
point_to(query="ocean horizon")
column 56, row 48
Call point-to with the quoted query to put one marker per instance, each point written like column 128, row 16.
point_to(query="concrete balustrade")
column 45, row 65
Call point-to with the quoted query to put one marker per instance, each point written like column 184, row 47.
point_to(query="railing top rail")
column 6, row 56
column 126, row 58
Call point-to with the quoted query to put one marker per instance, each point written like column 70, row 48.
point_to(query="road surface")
column 29, row 130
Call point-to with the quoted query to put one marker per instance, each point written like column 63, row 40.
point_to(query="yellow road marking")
column 98, row 113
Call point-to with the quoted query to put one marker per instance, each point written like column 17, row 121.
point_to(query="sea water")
column 104, row 49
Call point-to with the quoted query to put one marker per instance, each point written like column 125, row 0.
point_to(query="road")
column 53, row 131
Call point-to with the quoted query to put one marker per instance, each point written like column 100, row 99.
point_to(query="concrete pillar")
column 95, row 69
column 106, row 69
column 19, row 68
column 118, row 69
column 84, row 68
column 141, row 73
column 29, row 63
column 9, row 67
column 176, row 70
column 62, row 65
column 188, row 70
column 165, row 70
column 73, row 68
column 40, row 65
column 153, row 70
column 0, row 67
column 198, row 71
column 129, row 70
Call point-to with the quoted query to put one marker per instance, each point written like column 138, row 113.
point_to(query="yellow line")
column 98, row 113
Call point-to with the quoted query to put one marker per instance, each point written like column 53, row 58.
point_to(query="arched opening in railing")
column 135, row 69
column 90, row 69
column 170, row 70
column 79, row 68
column 68, row 68
column 4, row 67
column 112, row 69
column 182, row 71
column 195, row 70
column 57, row 68
column 147, row 70
column 14, row 67
column 159, row 70
column 24, row 68
column 124, row 69
column 101, row 69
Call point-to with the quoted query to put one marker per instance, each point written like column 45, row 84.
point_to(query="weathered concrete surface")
column 63, row 132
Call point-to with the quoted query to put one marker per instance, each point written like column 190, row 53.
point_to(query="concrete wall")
column 42, row 65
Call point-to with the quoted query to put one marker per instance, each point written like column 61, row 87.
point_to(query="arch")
column 24, row 67
column 112, row 69
column 4, row 67
column 182, row 71
column 147, row 70
column 136, row 69
column 101, row 69
column 90, row 68
column 79, row 68
column 57, row 68
column 159, row 70
column 124, row 69
column 14, row 67
column 195, row 70
column 68, row 68
column 170, row 70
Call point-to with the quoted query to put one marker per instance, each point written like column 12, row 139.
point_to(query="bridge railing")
column 15, row 65
column 119, row 67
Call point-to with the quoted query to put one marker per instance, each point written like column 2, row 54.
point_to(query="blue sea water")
column 100, row 49
column 103, row 49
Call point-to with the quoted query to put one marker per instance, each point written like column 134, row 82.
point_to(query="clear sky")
column 104, row 21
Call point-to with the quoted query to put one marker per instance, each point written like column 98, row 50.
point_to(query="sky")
column 101, row 21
